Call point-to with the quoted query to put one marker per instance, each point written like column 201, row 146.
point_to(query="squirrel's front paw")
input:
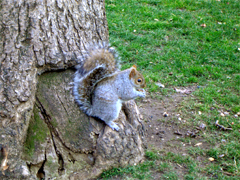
column 142, row 93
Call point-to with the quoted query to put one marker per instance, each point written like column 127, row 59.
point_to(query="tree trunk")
column 43, row 134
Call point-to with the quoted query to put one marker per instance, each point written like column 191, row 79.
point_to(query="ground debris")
column 160, row 85
column 222, row 127
column 198, row 144
column 183, row 91
column 192, row 134
column 211, row 159
column 178, row 133
column 165, row 114
column 222, row 155
column 189, row 133
column 228, row 174
column 202, row 126
column 146, row 101
column 160, row 134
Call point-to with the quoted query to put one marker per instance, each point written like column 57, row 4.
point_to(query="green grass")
column 168, row 43
column 140, row 172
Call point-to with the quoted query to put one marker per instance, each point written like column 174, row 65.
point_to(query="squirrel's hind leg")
column 111, row 115
column 108, row 112
column 115, row 110
column 113, row 125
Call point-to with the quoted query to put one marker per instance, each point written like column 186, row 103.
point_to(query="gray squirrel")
column 100, row 87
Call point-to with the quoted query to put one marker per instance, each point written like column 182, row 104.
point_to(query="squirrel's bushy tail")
column 97, row 64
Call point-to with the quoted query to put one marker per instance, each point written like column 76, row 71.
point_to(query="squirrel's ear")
column 134, row 66
column 132, row 73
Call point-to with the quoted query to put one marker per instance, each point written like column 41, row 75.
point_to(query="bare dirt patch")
column 164, row 122
column 168, row 131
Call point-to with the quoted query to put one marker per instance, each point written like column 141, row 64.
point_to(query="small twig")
column 222, row 127
column 198, row 128
column 178, row 133
column 179, row 165
column 228, row 174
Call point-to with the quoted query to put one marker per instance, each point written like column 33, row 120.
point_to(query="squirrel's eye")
column 139, row 80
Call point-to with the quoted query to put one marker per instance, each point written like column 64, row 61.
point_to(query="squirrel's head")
column 137, row 77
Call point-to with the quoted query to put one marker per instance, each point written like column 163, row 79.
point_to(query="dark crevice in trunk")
column 41, row 174
column 61, row 164
column 60, row 157
column 29, row 166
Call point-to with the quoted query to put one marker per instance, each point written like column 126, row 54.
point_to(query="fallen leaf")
column 160, row 85
column 226, row 113
column 222, row 114
column 211, row 159
column 198, row 144
column 202, row 126
column 222, row 155
column 184, row 91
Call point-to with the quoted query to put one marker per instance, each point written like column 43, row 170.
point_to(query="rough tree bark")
column 43, row 134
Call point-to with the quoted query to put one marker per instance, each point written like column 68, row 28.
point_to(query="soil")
column 166, row 127
column 165, row 123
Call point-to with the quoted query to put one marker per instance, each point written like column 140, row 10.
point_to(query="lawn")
column 185, row 43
